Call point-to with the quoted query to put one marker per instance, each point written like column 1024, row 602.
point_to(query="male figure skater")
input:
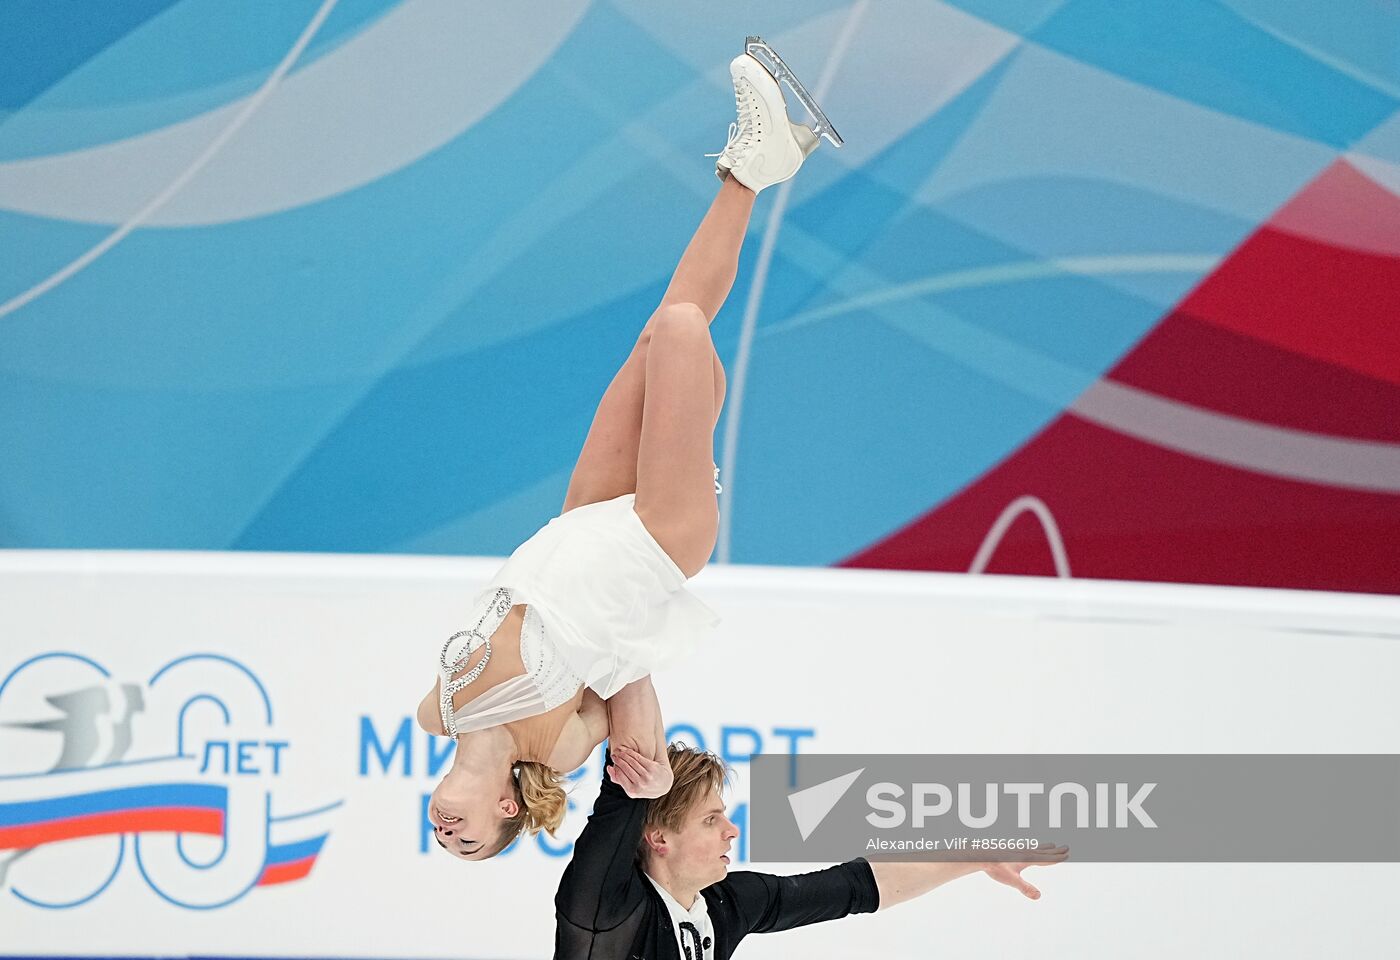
column 649, row 877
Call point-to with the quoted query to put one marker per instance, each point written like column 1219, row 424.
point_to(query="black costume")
column 606, row 909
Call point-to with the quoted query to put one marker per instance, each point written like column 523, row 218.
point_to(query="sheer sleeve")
column 546, row 683
column 506, row 702
column 601, row 887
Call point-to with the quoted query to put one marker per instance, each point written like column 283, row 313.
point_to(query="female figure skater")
column 591, row 604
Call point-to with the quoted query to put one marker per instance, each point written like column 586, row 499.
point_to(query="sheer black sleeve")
column 602, row 886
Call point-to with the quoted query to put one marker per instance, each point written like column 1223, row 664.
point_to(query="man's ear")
column 656, row 841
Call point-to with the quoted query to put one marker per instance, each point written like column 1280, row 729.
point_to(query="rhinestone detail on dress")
column 556, row 682
column 477, row 637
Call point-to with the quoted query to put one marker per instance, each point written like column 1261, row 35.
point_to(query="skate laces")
column 740, row 133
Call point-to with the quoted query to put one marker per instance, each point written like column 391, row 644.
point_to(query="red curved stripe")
column 1299, row 327
column 286, row 872
column 1201, row 364
column 1129, row 510
column 1334, row 305
column 168, row 820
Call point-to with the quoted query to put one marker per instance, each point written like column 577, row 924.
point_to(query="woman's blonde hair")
column 542, row 801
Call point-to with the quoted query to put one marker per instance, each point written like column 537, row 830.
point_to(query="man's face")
column 699, row 851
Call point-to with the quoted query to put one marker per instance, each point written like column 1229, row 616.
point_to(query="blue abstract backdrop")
column 351, row 276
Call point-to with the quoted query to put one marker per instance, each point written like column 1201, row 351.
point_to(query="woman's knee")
column 679, row 324
column 694, row 548
column 687, row 535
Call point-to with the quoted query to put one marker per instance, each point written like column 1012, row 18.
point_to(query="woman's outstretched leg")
column 764, row 148
column 681, row 396
column 710, row 263
column 607, row 465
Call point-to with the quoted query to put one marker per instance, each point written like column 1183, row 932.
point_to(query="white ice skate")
column 766, row 55
column 765, row 147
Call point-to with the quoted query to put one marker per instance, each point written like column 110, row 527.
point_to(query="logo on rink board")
column 394, row 747
column 176, row 776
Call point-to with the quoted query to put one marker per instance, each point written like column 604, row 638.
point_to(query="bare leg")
column 707, row 269
column 675, row 489
column 607, row 465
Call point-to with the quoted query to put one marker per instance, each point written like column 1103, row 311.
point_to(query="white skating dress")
column 605, row 605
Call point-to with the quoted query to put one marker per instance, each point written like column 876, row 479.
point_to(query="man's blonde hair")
column 696, row 774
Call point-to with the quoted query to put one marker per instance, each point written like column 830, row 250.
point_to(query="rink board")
column 234, row 778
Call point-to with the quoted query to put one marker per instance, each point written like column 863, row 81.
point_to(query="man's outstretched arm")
column 899, row 882
column 768, row 903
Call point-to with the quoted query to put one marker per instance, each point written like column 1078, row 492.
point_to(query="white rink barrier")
column 212, row 754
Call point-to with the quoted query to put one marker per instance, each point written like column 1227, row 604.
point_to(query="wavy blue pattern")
column 110, row 73
column 1361, row 40
column 411, row 365
column 1205, row 53
column 39, row 44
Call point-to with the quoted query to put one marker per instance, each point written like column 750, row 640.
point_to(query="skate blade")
column 757, row 48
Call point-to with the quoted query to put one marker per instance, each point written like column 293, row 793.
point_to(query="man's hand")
column 640, row 777
column 1010, row 873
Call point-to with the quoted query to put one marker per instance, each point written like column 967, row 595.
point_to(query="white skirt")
column 611, row 600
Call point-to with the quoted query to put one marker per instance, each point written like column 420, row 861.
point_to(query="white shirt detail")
column 689, row 925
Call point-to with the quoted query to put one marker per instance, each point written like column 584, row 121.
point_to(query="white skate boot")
column 764, row 146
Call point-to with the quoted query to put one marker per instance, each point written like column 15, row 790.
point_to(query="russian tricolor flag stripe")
column 166, row 808
column 291, row 861
column 193, row 795
column 174, row 807
column 173, row 820
column 288, row 852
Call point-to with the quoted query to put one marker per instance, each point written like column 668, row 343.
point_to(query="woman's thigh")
column 675, row 457
column 607, row 464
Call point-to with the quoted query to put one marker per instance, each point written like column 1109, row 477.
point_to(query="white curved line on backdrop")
column 1001, row 273
column 729, row 454
column 1329, row 60
column 633, row 141
column 249, row 107
column 1023, row 504
column 1019, row 366
column 1299, row 455
column 414, row 80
